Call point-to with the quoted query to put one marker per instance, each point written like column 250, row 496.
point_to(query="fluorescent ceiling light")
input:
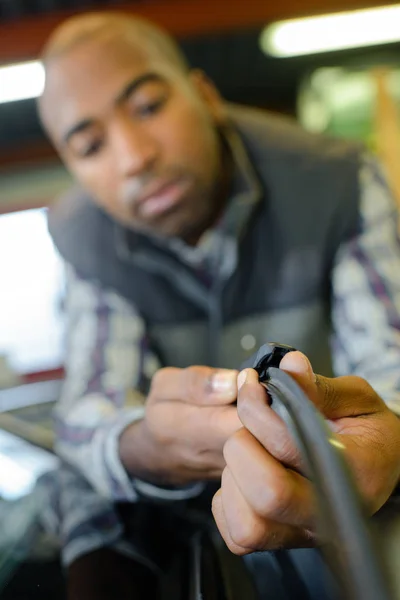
column 21, row 81
column 327, row 33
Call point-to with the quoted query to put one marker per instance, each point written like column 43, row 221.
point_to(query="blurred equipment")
column 21, row 465
column 357, row 103
column 22, row 503
column 387, row 126
column 26, row 411
column 8, row 377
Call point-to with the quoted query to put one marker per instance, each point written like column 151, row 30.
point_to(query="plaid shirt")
column 107, row 357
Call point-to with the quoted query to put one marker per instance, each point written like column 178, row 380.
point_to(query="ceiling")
column 223, row 43
column 15, row 9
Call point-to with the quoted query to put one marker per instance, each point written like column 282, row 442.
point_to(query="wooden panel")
column 387, row 130
column 23, row 39
column 26, row 153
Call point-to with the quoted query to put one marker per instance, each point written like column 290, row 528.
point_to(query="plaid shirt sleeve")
column 107, row 359
column 366, row 292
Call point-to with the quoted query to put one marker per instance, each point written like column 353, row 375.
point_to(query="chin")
column 170, row 225
column 176, row 223
column 158, row 229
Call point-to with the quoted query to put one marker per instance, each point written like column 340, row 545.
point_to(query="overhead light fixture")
column 327, row 33
column 21, row 81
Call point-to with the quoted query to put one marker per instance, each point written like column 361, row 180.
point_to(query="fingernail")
column 296, row 362
column 224, row 382
column 241, row 379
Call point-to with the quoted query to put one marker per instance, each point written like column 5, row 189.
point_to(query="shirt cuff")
column 168, row 494
column 118, row 484
column 114, row 481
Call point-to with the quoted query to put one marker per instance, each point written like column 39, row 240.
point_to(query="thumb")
column 320, row 390
column 337, row 397
column 299, row 367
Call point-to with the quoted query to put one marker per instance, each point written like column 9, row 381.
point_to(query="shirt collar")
column 246, row 188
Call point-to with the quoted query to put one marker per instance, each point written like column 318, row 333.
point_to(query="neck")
column 220, row 195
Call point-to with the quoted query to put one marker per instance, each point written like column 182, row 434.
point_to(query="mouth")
column 162, row 199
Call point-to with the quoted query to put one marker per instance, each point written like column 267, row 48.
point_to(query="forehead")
column 83, row 82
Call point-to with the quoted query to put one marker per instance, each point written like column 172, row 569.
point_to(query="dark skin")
column 131, row 127
column 141, row 134
column 265, row 502
column 125, row 119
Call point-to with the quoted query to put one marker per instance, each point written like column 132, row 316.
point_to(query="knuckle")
column 233, row 446
column 162, row 438
column 192, row 379
column 158, row 380
column 350, row 392
column 365, row 390
column 196, row 453
column 247, row 534
column 361, row 385
column 160, row 435
column 274, row 500
column 235, row 549
column 284, row 449
column 188, row 458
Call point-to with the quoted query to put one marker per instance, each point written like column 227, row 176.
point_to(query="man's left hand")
column 265, row 502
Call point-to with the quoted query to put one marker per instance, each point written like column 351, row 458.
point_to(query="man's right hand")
column 189, row 417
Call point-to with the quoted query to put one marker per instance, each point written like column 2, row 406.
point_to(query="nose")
column 135, row 149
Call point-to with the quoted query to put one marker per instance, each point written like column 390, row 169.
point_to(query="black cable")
column 348, row 542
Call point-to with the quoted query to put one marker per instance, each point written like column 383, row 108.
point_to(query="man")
column 198, row 232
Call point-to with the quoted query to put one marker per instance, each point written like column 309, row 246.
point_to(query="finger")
column 209, row 427
column 223, row 422
column 206, row 427
column 335, row 397
column 190, row 473
column 195, row 385
column 243, row 530
column 266, row 426
column 272, row 491
column 220, row 520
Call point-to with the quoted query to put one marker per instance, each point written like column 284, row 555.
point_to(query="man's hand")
column 189, row 417
column 264, row 502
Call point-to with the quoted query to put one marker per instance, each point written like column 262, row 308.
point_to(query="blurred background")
column 338, row 74
column 331, row 88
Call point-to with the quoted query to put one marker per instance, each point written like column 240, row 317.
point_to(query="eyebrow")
column 128, row 90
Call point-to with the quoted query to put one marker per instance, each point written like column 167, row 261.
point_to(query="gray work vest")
column 307, row 205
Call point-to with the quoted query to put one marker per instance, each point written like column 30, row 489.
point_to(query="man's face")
column 139, row 135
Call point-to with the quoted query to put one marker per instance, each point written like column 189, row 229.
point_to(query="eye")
column 93, row 148
column 89, row 149
column 151, row 107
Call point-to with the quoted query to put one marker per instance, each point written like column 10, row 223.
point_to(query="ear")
column 209, row 95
